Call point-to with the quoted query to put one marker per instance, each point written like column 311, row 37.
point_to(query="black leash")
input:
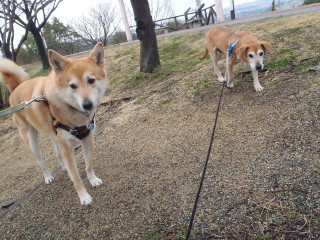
column 205, row 167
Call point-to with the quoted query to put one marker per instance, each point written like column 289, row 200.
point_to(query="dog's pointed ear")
column 266, row 47
column 97, row 54
column 242, row 51
column 57, row 61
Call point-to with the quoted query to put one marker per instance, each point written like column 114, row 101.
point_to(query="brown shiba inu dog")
column 248, row 49
column 73, row 91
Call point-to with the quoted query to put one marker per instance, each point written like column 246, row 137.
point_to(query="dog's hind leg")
column 215, row 55
column 87, row 147
column 32, row 135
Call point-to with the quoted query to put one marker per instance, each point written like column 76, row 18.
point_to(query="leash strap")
column 205, row 166
column 12, row 110
column 21, row 106
column 229, row 52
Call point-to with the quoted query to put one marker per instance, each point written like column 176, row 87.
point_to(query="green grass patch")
column 285, row 51
column 305, row 65
column 166, row 101
column 281, row 58
column 134, row 80
column 261, row 237
column 238, row 84
column 275, row 63
column 140, row 101
column 176, row 66
column 197, row 93
column 197, row 36
column 42, row 72
column 160, row 73
column 126, row 52
column 176, row 234
column 175, row 48
column 202, row 86
column 287, row 32
column 195, row 51
column 307, row 2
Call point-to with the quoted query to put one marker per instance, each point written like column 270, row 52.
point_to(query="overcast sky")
column 71, row 9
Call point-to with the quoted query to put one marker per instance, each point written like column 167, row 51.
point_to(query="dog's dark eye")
column 250, row 55
column 91, row 80
column 261, row 53
column 73, row 86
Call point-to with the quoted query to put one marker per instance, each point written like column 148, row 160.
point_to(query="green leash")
column 21, row 106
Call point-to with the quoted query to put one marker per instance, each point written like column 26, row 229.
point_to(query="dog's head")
column 81, row 82
column 253, row 53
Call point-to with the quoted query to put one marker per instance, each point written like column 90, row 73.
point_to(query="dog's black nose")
column 87, row 105
column 258, row 67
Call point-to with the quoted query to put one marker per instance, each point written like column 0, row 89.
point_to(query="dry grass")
column 262, row 181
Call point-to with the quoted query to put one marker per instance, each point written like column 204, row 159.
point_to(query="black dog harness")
column 79, row 132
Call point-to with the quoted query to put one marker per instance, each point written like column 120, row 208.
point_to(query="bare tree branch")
column 98, row 25
column 31, row 15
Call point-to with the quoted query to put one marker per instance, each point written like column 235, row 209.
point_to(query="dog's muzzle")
column 259, row 67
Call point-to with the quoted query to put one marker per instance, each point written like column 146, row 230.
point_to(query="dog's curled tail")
column 11, row 75
column 205, row 54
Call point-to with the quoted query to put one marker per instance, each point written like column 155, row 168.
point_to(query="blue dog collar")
column 231, row 46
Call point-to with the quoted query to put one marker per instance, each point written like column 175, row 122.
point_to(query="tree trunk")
column 5, row 50
column 273, row 6
column 41, row 47
column 149, row 55
column 6, row 97
column 1, row 98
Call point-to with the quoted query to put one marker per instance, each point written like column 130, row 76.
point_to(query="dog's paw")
column 95, row 181
column 258, row 88
column 222, row 80
column 63, row 168
column 231, row 85
column 85, row 199
column 48, row 179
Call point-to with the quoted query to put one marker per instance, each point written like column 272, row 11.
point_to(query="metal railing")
column 204, row 16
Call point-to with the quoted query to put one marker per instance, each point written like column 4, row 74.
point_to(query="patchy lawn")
column 263, row 175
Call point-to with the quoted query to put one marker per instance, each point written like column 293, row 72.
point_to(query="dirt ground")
column 263, row 176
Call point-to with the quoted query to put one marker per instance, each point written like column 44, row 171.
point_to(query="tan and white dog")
column 248, row 49
column 73, row 91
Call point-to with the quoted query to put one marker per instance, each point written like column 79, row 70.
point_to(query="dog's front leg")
column 230, row 83
column 256, row 82
column 87, row 148
column 67, row 151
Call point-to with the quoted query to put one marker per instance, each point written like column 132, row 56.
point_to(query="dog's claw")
column 86, row 199
column 222, row 80
column 48, row 179
column 95, row 181
column 230, row 85
column 258, row 88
